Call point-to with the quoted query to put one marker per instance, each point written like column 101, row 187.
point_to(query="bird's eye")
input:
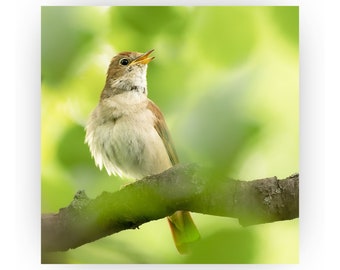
column 124, row 61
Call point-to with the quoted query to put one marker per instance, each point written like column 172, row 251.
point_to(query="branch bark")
column 182, row 187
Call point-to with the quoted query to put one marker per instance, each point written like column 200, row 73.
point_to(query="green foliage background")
column 227, row 81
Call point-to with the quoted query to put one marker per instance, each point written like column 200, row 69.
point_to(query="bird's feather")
column 163, row 132
column 183, row 229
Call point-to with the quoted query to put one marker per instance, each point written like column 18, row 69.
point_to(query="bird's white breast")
column 122, row 137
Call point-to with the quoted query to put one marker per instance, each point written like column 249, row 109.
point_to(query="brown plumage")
column 128, row 136
column 163, row 132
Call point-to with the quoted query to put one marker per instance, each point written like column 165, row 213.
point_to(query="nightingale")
column 127, row 134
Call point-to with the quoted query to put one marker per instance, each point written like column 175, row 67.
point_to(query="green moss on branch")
column 182, row 187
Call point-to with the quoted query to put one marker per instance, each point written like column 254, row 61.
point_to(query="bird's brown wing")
column 163, row 132
column 183, row 229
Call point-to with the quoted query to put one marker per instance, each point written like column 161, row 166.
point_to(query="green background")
column 227, row 81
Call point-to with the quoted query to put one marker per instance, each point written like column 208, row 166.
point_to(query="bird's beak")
column 143, row 59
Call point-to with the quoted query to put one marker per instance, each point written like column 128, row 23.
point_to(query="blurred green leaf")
column 287, row 20
column 65, row 37
column 72, row 150
column 137, row 27
column 225, row 36
column 234, row 246
column 219, row 126
column 148, row 21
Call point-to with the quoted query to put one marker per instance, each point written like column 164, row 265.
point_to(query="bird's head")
column 127, row 72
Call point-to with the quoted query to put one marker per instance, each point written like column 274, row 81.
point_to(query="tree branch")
column 182, row 187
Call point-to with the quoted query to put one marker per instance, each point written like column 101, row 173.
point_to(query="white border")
column 319, row 225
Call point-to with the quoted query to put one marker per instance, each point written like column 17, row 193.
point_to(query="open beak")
column 144, row 58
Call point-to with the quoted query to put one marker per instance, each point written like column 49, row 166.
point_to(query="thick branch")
column 180, row 188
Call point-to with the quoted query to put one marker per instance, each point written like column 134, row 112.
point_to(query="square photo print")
column 170, row 135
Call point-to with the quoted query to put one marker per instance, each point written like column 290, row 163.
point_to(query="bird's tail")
column 184, row 231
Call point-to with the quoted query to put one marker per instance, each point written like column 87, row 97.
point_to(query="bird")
column 128, row 136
